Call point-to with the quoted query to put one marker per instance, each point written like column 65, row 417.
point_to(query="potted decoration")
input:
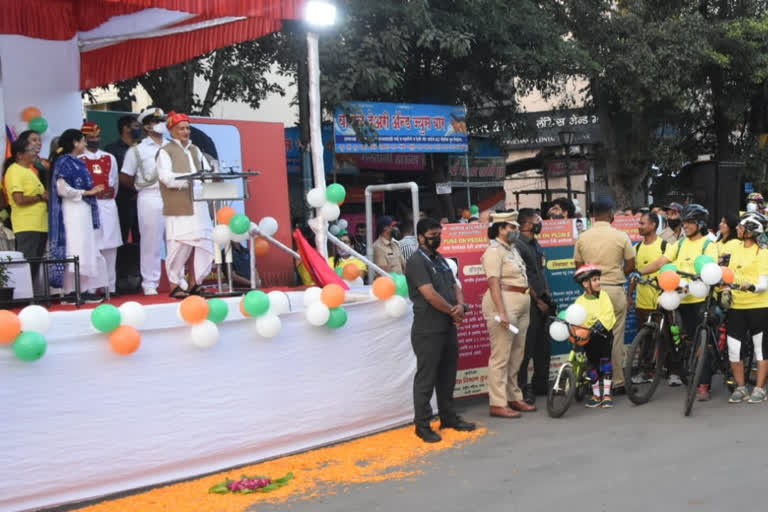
column 6, row 294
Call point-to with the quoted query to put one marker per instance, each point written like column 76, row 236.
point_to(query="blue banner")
column 403, row 128
column 293, row 149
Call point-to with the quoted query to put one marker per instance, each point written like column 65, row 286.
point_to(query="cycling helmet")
column 694, row 213
column 754, row 223
column 586, row 271
column 756, row 197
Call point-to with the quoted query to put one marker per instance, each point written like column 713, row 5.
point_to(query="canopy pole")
column 316, row 141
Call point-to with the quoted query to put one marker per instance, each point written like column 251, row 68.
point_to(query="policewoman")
column 507, row 298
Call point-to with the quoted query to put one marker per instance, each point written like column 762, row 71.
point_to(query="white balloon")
column 35, row 318
column 268, row 325
column 312, row 295
column 396, row 306
column 242, row 237
column 268, row 226
column 279, row 302
column 559, row 331
column 698, row 289
column 683, row 285
column 357, row 283
column 330, row 211
column 133, row 314
column 318, row 314
column 575, row 314
column 205, row 334
column 711, row 273
column 334, row 229
column 316, row 198
column 343, row 224
column 222, row 235
column 669, row 300
column 453, row 265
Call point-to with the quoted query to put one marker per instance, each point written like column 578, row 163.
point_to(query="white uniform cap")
column 151, row 112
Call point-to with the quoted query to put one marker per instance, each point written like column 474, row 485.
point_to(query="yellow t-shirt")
column 727, row 247
column 748, row 264
column 684, row 253
column 341, row 263
column 648, row 296
column 31, row 217
column 598, row 308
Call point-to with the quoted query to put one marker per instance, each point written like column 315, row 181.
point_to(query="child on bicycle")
column 600, row 320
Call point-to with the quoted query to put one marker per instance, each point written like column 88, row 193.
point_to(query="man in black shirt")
column 438, row 307
column 130, row 132
column 536, row 340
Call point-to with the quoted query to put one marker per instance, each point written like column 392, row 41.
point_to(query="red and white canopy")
column 120, row 39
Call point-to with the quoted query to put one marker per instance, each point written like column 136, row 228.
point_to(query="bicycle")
column 572, row 380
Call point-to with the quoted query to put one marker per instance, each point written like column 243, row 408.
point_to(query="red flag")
column 316, row 265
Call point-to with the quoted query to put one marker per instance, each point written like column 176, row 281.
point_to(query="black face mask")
column 557, row 216
column 93, row 145
column 674, row 223
column 433, row 242
column 536, row 228
column 136, row 133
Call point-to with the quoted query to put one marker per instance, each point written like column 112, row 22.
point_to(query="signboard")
column 293, row 149
column 403, row 128
column 443, row 188
column 480, row 168
column 381, row 161
column 540, row 129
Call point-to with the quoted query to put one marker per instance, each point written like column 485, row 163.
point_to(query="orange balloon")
column 384, row 287
column 580, row 335
column 30, row 113
column 728, row 275
column 332, row 295
column 10, row 326
column 669, row 280
column 242, row 308
column 194, row 309
column 125, row 340
column 351, row 271
column 260, row 246
column 225, row 214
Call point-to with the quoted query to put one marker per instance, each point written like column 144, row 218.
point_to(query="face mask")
column 512, row 236
column 159, row 129
column 751, row 207
column 136, row 133
column 343, row 254
column 536, row 229
column 674, row 223
column 557, row 216
column 93, row 145
column 433, row 242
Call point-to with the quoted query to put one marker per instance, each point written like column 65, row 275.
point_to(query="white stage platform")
column 83, row 421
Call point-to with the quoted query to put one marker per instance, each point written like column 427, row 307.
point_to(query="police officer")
column 438, row 307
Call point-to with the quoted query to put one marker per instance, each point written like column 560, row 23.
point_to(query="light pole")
column 318, row 14
column 566, row 139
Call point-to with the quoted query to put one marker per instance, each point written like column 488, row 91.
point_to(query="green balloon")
column 38, row 124
column 702, row 260
column 561, row 315
column 239, row 223
column 29, row 346
column 340, row 272
column 474, row 209
column 256, row 303
column 337, row 319
column 106, row 318
column 401, row 284
column 335, row 193
column 217, row 311
column 668, row 266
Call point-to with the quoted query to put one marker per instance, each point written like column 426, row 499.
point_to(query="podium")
column 218, row 189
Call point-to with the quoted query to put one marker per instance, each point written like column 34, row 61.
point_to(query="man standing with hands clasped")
column 438, row 308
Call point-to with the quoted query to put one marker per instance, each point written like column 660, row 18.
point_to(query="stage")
column 83, row 421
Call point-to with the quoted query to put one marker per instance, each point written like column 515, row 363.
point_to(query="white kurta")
column 140, row 159
column 81, row 240
column 185, row 232
column 110, row 236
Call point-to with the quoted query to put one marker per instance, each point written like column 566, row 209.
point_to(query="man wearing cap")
column 674, row 228
column 188, row 225
column 386, row 253
column 140, row 172
column 611, row 250
column 103, row 169
column 129, row 132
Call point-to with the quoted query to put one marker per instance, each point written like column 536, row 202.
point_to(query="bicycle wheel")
column 644, row 365
column 561, row 392
column 698, row 360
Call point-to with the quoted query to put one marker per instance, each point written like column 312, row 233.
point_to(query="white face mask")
column 751, row 207
column 160, row 129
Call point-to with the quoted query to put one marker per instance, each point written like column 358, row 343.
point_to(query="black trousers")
column 437, row 356
column 32, row 244
column 128, row 213
column 538, row 348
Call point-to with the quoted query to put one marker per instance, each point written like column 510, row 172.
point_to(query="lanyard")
column 438, row 265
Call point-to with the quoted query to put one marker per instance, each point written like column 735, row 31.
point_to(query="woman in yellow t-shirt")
column 28, row 200
column 728, row 237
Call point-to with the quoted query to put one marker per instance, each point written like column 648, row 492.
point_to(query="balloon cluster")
column 203, row 315
column 323, row 306
column 24, row 332
column 265, row 309
column 327, row 202
column 575, row 315
column 122, row 324
column 34, row 119
column 235, row 227
column 393, row 291
column 338, row 227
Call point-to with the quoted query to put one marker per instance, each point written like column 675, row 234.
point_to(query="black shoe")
column 529, row 396
column 428, row 435
column 69, row 299
column 91, row 298
column 458, row 424
column 619, row 390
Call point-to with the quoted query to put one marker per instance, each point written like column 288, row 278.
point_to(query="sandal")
column 196, row 290
column 178, row 293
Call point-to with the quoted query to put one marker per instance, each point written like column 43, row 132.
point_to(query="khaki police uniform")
column 388, row 255
column 608, row 247
column 507, row 349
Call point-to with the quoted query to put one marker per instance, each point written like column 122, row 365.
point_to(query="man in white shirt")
column 103, row 169
column 140, row 171
column 188, row 226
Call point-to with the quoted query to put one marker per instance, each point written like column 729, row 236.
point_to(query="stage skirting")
column 83, row 421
